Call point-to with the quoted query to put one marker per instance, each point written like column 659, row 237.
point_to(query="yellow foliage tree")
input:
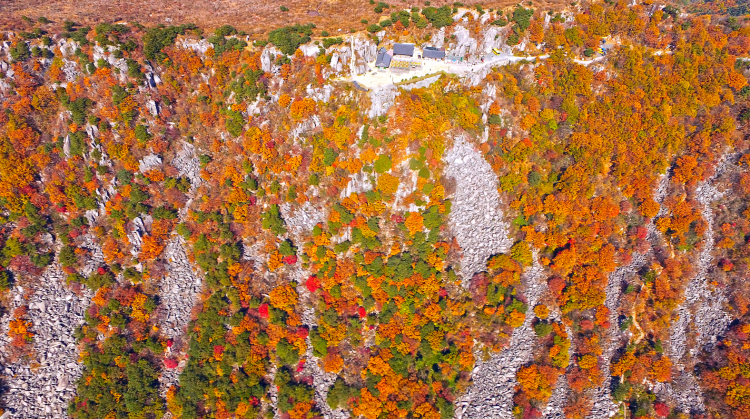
column 284, row 297
column 387, row 184
column 414, row 222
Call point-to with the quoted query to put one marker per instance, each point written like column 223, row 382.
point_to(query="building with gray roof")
column 433, row 53
column 384, row 59
column 403, row 49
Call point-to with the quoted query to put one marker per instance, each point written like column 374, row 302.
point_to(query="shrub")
column 626, row 323
column 164, row 213
column 340, row 393
column 289, row 38
column 495, row 120
column 6, row 280
column 521, row 253
column 383, row 164
column 20, row 52
column 522, row 17
column 286, row 248
column 98, row 280
column 329, row 42
column 320, row 345
column 287, row 353
column 157, row 38
column 272, row 220
column 535, row 179
column 379, row 8
column 438, row 17
column 69, row 26
column 131, row 274
column 141, row 133
column 67, row 256
column 542, row 329
column 221, row 44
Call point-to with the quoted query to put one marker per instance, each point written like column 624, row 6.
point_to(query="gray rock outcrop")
column 475, row 218
column 494, row 381
column 438, row 39
column 382, row 100
column 70, row 69
column 702, row 314
column 364, row 51
column 177, row 290
column 197, row 45
column 465, row 44
column 268, row 59
column 151, row 105
column 306, row 126
column 302, row 219
column 188, row 164
column 422, row 83
column 340, row 58
column 44, row 390
column 319, row 94
column 364, row 48
column 120, row 64
column 310, row 50
column 150, row 162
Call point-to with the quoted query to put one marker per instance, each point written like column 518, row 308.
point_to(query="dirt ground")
column 252, row 16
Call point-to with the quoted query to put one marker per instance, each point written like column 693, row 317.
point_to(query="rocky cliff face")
column 464, row 44
column 268, row 59
column 381, row 101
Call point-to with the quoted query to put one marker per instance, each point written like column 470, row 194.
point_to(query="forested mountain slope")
column 207, row 222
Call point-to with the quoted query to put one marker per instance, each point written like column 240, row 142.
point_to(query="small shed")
column 403, row 49
column 433, row 53
column 384, row 59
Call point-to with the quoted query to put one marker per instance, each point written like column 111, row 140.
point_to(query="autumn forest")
column 206, row 222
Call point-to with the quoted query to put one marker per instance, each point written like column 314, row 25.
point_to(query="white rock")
column 382, row 100
column 150, row 162
column 55, row 312
column 319, row 94
column 310, row 50
column 475, row 218
column 152, row 106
